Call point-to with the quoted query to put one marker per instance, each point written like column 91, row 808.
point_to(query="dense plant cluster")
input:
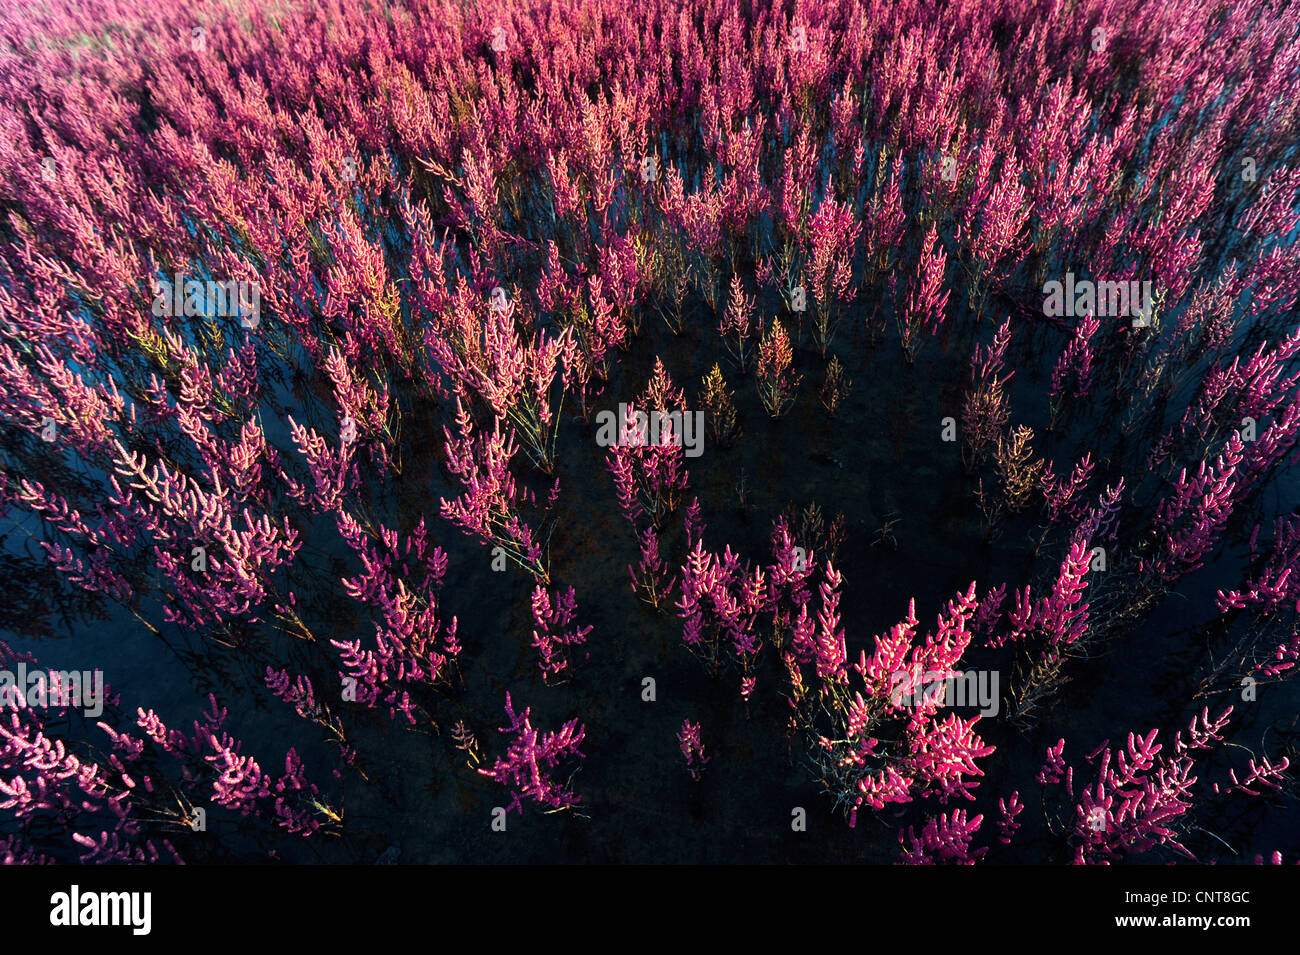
column 318, row 318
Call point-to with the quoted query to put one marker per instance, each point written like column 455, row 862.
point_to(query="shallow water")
column 880, row 461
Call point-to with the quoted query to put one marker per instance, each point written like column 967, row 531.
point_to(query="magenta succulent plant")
column 306, row 310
